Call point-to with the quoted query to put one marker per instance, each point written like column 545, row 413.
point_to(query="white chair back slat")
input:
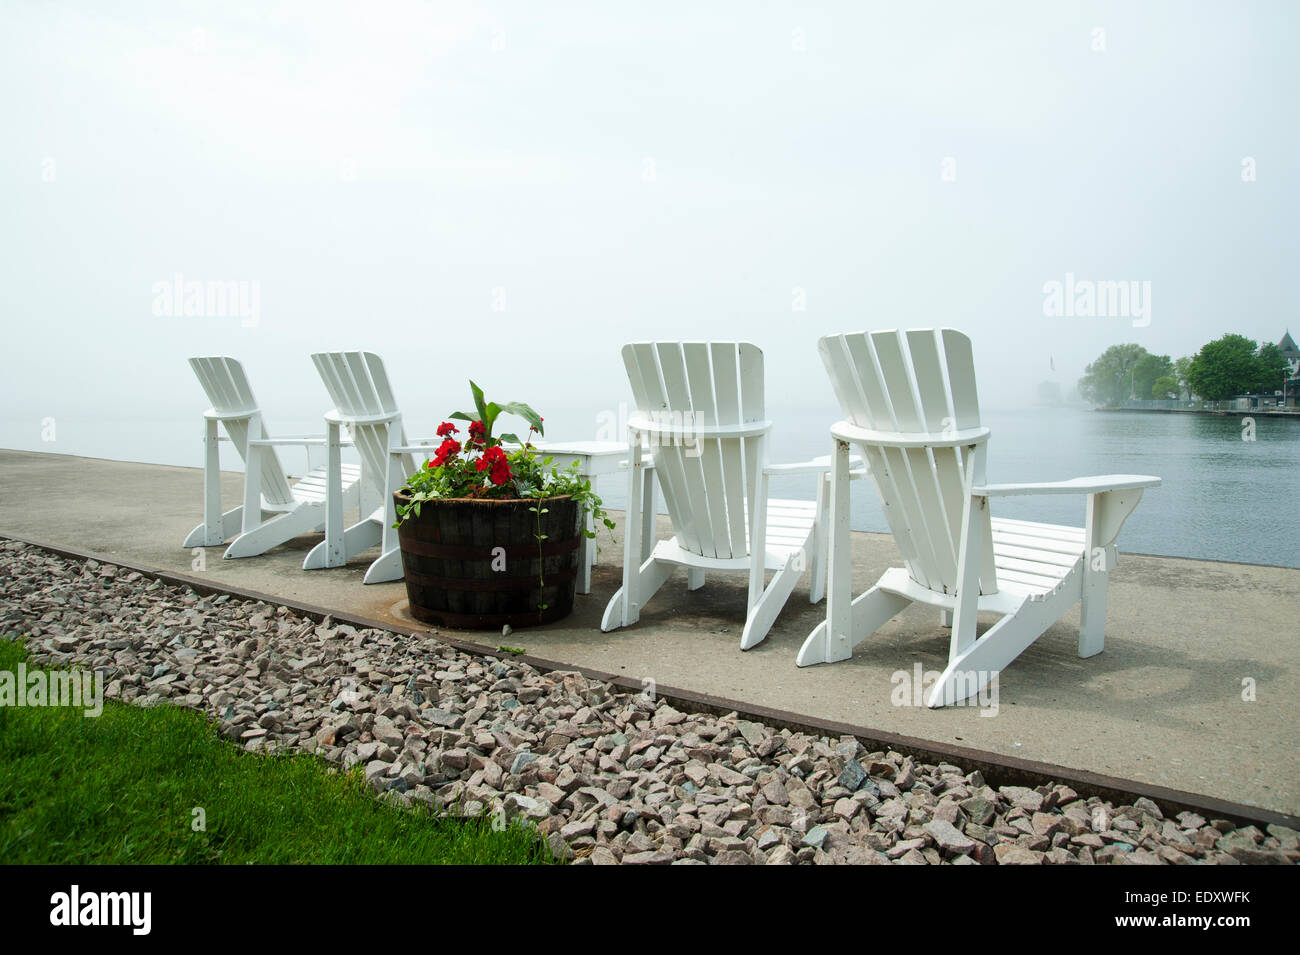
column 708, row 451
column 879, row 412
column 642, row 365
column 383, row 391
column 928, row 376
column 961, row 378
column 844, row 381
column 752, row 408
column 681, row 458
column 895, row 366
column 731, row 454
column 226, row 386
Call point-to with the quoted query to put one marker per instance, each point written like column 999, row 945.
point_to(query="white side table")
column 594, row 459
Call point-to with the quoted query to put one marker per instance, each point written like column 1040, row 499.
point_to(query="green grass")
column 122, row 787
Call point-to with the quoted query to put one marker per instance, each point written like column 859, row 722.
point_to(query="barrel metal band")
column 422, row 548
column 496, row 584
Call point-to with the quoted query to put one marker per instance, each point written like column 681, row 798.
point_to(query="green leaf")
column 511, row 438
column 478, row 400
column 525, row 412
column 466, row 416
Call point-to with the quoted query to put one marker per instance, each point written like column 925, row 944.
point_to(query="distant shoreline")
column 1254, row 412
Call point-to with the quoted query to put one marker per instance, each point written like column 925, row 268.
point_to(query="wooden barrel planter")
column 474, row 564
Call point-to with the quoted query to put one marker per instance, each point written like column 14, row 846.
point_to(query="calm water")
column 1222, row 498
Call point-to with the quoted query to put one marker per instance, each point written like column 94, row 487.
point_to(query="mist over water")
column 1222, row 498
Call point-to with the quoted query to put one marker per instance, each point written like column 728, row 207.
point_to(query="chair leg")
column 642, row 583
column 362, row 536
column 586, row 548
column 817, row 587
column 387, row 567
column 1092, row 612
column 331, row 552
column 868, row 613
column 829, row 641
column 213, row 526
column 765, row 611
column 986, row 657
column 276, row 531
column 228, row 527
column 694, row 578
column 620, row 612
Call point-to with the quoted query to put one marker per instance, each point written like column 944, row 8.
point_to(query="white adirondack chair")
column 273, row 511
column 910, row 405
column 700, row 412
column 363, row 403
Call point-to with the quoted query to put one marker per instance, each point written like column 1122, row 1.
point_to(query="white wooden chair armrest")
column 820, row 464
column 1084, row 485
column 304, row 441
column 647, row 462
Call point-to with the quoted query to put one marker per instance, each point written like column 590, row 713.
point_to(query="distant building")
column 1049, row 394
column 1292, row 355
column 1270, row 397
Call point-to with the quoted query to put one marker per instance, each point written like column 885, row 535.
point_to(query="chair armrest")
column 417, row 445
column 814, row 466
column 1083, row 485
column 304, row 441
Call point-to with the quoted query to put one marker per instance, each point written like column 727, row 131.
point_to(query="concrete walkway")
column 1163, row 705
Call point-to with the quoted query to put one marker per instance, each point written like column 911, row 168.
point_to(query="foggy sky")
column 512, row 191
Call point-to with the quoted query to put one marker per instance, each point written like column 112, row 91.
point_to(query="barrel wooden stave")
column 457, row 587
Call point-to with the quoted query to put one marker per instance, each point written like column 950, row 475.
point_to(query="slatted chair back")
column 915, row 391
column 224, row 382
column 701, row 404
column 363, row 400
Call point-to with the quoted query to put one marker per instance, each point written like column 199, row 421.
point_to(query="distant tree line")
column 1226, row 367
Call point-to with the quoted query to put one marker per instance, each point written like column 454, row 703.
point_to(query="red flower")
column 447, row 428
column 477, row 432
column 496, row 460
column 446, row 451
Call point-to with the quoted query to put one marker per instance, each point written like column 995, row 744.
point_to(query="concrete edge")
column 997, row 769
